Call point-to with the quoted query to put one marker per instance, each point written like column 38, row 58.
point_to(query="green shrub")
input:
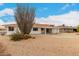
column 69, row 32
column 16, row 37
column 26, row 36
column 78, row 28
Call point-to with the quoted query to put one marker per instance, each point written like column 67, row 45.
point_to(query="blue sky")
column 43, row 10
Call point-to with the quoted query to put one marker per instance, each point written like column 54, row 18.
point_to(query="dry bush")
column 18, row 36
column 26, row 36
column 24, row 17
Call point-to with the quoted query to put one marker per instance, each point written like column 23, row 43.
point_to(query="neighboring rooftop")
column 2, row 27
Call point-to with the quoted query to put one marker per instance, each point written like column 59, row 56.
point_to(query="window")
column 35, row 29
column 11, row 28
column 42, row 29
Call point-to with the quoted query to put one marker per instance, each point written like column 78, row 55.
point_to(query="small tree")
column 24, row 16
column 78, row 28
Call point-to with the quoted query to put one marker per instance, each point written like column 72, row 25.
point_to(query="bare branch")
column 24, row 16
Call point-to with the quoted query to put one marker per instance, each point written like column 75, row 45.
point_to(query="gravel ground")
column 64, row 44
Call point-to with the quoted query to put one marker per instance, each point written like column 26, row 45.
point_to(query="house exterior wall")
column 64, row 30
column 17, row 29
column 44, row 31
column 55, row 30
column 40, row 31
column 11, row 32
column 36, row 32
column 2, row 32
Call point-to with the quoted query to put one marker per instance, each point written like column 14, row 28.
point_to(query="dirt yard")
column 44, row 45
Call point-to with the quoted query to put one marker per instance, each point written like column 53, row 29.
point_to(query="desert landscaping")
column 25, row 37
column 63, row 44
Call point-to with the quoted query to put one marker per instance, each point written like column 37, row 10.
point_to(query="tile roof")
column 35, row 25
column 42, row 26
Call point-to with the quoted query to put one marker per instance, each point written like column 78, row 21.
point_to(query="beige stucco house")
column 2, row 30
column 37, row 29
column 66, row 29
column 44, row 29
column 12, row 28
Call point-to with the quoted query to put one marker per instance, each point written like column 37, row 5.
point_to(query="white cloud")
column 42, row 9
column 71, row 19
column 13, row 22
column 1, row 22
column 66, row 6
column 7, row 11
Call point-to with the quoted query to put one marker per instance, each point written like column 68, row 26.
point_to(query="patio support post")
column 45, row 31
